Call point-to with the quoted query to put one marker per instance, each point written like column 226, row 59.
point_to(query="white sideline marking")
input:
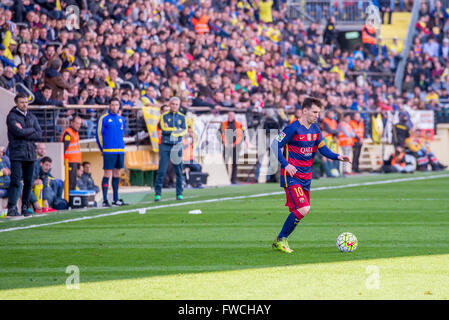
column 221, row 199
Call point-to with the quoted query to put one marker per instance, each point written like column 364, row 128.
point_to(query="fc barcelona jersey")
column 299, row 146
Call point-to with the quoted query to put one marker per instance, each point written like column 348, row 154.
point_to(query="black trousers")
column 20, row 169
column 356, row 150
column 233, row 152
column 73, row 167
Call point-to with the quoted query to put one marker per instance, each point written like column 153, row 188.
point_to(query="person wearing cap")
column 173, row 128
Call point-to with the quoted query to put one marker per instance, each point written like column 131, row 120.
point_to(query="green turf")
column 232, row 240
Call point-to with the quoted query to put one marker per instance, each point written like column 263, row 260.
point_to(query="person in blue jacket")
column 173, row 128
column 110, row 132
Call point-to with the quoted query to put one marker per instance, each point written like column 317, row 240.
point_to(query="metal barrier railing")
column 23, row 88
column 348, row 12
column 54, row 120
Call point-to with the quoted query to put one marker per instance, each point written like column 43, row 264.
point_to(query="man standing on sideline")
column 358, row 126
column 72, row 148
column 232, row 137
column 173, row 128
column 23, row 132
column 346, row 137
column 110, row 131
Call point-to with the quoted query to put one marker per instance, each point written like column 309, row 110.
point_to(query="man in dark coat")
column 23, row 132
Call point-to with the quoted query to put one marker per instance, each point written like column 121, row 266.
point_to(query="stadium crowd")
column 426, row 78
column 246, row 56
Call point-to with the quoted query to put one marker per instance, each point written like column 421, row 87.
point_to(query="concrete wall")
column 440, row 145
column 7, row 102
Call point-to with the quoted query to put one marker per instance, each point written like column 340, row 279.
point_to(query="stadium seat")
column 141, row 165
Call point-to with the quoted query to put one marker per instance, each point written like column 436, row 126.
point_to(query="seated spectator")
column 5, row 179
column 399, row 161
column 87, row 182
column 420, row 146
column 44, row 97
column 45, row 193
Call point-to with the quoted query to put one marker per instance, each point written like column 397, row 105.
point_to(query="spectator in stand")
column 55, row 81
column 385, row 7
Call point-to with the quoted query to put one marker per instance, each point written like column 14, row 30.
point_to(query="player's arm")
column 182, row 130
column 99, row 133
column 325, row 151
column 164, row 127
column 66, row 139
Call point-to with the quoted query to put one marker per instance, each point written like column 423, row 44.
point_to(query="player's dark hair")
column 310, row 101
column 46, row 159
column 20, row 95
column 115, row 99
column 85, row 162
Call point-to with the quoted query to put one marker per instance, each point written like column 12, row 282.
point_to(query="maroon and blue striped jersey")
column 300, row 145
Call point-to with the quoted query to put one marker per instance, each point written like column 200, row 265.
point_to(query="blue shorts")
column 113, row 161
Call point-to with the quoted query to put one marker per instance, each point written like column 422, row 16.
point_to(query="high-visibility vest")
column 358, row 127
column 201, row 25
column 331, row 123
column 369, row 34
column 238, row 131
column 73, row 151
column 398, row 159
column 343, row 140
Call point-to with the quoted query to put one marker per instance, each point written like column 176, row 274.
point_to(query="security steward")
column 173, row 128
column 232, row 138
column 72, row 149
column 23, row 133
column 358, row 125
column 369, row 35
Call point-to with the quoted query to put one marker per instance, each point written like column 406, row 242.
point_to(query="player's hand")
column 344, row 158
column 291, row 170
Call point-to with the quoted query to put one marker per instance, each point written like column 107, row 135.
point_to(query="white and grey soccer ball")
column 347, row 242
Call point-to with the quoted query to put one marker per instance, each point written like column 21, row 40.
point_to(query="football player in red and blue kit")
column 299, row 141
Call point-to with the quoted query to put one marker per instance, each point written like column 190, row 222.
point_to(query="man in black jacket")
column 23, row 132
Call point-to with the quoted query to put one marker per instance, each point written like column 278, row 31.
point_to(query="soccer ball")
column 347, row 242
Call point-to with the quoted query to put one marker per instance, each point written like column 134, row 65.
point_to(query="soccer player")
column 110, row 131
column 300, row 141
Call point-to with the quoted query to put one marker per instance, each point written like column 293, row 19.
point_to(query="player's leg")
column 108, row 166
column 298, row 202
column 27, row 172
column 120, row 164
column 164, row 158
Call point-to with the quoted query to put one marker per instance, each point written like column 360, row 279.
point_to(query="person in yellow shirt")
column 265, row 11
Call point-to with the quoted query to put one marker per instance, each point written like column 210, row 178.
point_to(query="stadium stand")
column 217, row 56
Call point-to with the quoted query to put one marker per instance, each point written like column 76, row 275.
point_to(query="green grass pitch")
column 225, row 252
